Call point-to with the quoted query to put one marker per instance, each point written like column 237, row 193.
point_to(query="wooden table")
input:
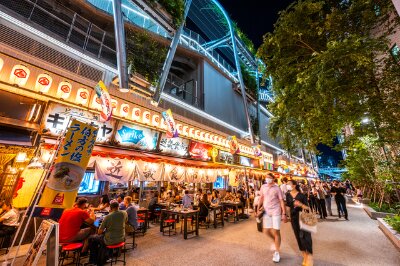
column 231, row 205
column 184, row 215
column 215, row 209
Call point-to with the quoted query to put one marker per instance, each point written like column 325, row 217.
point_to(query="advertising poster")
column 104, row 96
column 200, row 151
column 69, row 167
column 133, row 136
column 175, row 146
column 172, row 130
column 233, row 145
column 38, row 244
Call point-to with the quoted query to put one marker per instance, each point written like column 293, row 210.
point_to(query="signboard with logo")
column 134, row 136
column 200, row 151
column 57, row 116
column 72, row 159
column 174, row 146
column 225, row 157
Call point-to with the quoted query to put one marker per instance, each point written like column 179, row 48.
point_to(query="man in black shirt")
column 339, row 191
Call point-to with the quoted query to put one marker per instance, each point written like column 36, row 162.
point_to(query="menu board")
column 174, row 146
column 134, row 136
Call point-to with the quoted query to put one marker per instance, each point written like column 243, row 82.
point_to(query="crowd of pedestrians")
column 274, row 204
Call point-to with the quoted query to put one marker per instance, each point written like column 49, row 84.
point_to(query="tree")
column 331, row 68
column 330, row 65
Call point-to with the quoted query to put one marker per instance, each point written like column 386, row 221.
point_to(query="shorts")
column 272, row 221
column 81, row 235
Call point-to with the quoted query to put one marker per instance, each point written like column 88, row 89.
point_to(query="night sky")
column 255, row 17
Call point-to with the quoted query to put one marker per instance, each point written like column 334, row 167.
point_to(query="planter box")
column 390, row 233
column 374, row 214
column 365, row 201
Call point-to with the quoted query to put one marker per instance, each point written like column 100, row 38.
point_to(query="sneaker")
column 276, row 257
column 258, row 220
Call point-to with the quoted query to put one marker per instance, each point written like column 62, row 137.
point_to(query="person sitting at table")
column 204, row 204
column 169, row 197
column 214, row 198
column 8, row 222
column 187, row 200
column 131, row 210
column 229, row 196
column 71, row 222
column 111, row 232
column 104, row 204
column 152, row 205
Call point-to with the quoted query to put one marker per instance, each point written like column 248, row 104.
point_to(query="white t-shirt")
column 284, row 189
column 11, row 218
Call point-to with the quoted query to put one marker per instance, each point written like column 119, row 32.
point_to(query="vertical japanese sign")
column 172, row 130
column 104, row 96
column 69, row 167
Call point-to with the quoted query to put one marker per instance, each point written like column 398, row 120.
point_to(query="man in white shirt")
column 283, row 187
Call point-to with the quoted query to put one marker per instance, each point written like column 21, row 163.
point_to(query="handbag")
column 308, row 221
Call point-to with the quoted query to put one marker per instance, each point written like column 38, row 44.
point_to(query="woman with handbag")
column 298, row 202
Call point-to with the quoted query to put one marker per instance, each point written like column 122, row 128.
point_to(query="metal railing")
column 66, row 25
column 186, row 92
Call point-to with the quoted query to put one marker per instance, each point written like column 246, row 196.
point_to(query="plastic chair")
column 170, row 224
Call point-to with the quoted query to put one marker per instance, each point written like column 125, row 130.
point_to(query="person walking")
column 320, row 197
column 328, row 198
column 274, row 211
column 339, row 191
column 298, row 202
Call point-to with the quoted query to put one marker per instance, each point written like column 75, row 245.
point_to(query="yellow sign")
column 26, row 186
column 70, row 165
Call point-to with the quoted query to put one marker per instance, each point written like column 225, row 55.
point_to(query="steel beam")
column 170, row 57
column 120, row 46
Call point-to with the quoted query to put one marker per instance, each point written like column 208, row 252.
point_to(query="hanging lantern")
column 207, row 137
column 163, row 124
column 1, row 63
column 124, row 110
column 136, row 113
column 197, row 134
column 114, row 104
column 155, row 120
column 192, row 132
column 43, row 83
column 64, row 90
column 185, row 131
column 19, row 75
column 82, row 96
column 21, row 157
column 146, row 117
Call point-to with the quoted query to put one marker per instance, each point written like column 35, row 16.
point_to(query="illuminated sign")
column 200, row 151
column 137, row 137
column 174, row 146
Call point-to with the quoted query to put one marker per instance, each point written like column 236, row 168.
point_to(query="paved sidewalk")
column 338, row 242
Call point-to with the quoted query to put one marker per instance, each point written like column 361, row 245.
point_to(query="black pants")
column 6, row 232
column 341, row 206
column 322, row 208
column 98, row 252
column 304, row 240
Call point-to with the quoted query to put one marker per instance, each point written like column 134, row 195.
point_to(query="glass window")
column 395, row 52
column 219, row 183
column 89, row 185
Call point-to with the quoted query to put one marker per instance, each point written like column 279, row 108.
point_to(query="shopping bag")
column 308, row 221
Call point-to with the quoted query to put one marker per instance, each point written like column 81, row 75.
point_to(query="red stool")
column 66, row 248
column 230, row 213
column 116, row 251
column 141, row 226
column 170, row 223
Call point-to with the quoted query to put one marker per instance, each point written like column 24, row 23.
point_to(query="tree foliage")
column 174, row 7
column 330, row 64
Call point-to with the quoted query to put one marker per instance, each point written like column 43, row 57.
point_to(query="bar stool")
column 170, row 224
column 230, row 213
column 66, row 248
column 187, row 220
column 141, row 227
column 116, row 251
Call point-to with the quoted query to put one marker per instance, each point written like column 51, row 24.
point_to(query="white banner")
column 173, row 173
column 114, row 170
column 149, row 171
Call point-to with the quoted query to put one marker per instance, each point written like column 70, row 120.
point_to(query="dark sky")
column 255, row 17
